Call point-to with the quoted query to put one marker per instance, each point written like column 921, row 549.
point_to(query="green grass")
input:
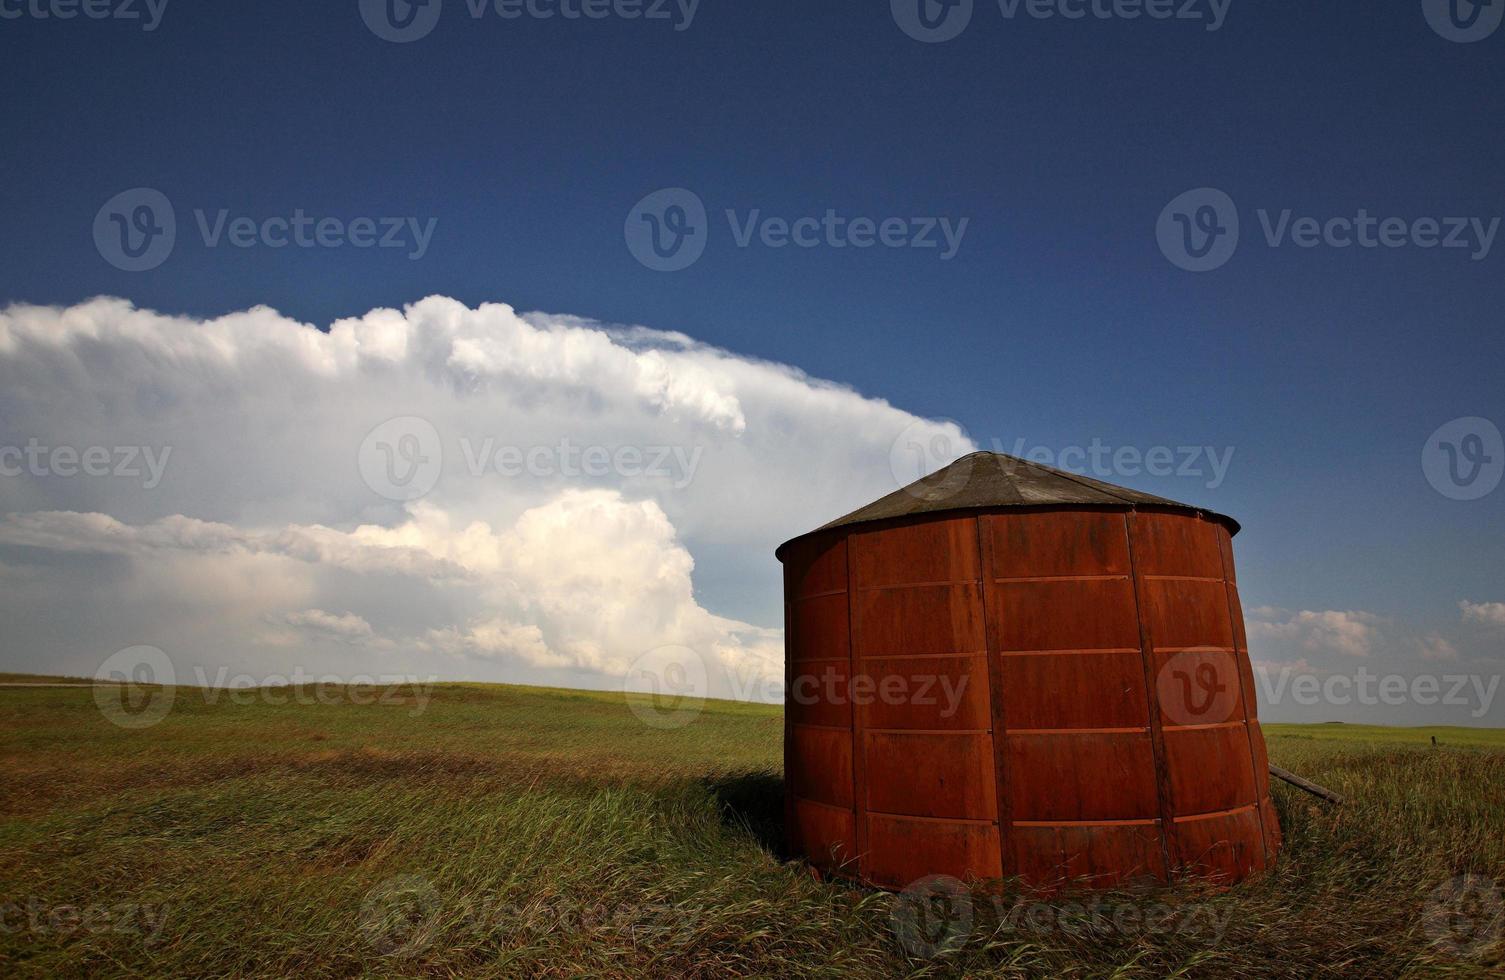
column 505, row 831
column 1453, row 737
column 32, row 679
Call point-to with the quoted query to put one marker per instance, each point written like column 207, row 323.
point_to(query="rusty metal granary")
column 1006, row 670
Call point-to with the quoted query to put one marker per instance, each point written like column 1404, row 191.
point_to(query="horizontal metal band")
column 1078, row 731
column 818, row 595
column 1199, row 728
column 821, row 728
column 1062, row 578
column 919, row 585
column 969, row 821
column 1183, row 578
column 1214, row 814
column 828, row 806
column 927, row 731
column 1205, row 648
column 1140, row 822
column 969, row 654
column 1055, row 653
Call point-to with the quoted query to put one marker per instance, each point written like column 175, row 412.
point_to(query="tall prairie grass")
column 516, row 832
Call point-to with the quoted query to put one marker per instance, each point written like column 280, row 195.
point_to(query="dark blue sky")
column 1058, row 321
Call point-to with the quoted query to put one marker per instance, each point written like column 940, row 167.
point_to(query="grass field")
column 501, row 831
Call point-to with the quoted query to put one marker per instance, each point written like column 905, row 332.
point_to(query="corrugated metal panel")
column 926, row 771
column 1084, row 780
column 1087, row 707
column 820, row 815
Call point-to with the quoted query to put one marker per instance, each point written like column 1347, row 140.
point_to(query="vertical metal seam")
column 790, row 810
column 1152, row 704
column 1007, row 866
column 1225, row 558
column 859, row 743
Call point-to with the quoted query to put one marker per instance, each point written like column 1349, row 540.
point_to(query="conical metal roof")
column 988, row 480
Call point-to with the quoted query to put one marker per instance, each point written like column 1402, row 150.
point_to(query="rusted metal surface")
column 1055, row 694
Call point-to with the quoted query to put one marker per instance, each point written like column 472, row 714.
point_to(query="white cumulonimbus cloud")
column 1487, row 613
column 597, row 491
column 1347, row 632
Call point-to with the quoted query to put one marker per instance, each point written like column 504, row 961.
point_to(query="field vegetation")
column 501, row 831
